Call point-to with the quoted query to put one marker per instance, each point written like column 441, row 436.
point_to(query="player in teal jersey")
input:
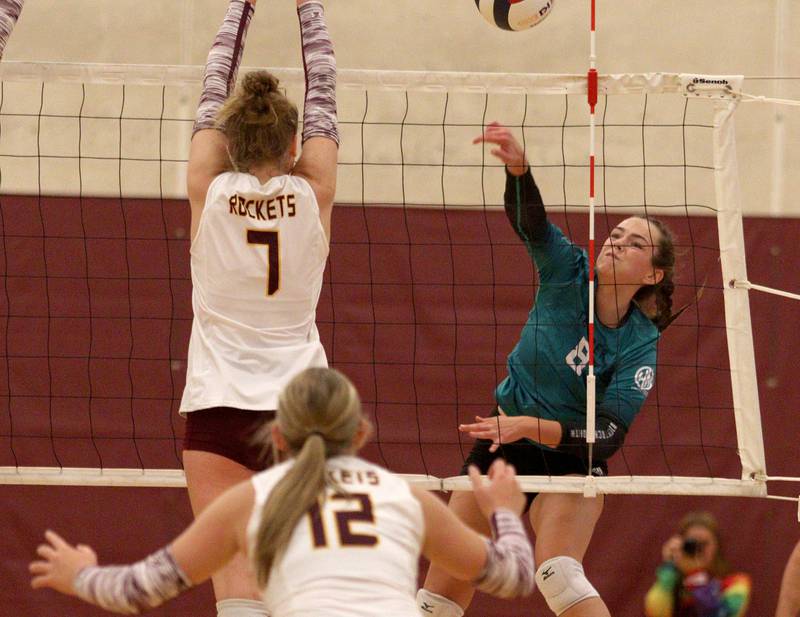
column 539, row 424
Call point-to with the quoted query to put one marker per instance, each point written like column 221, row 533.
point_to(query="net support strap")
column 737, row 303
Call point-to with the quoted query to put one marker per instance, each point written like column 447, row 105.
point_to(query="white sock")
column 241, row 608
column 433, row 605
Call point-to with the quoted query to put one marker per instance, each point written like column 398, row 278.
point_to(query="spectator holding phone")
column 694, row 580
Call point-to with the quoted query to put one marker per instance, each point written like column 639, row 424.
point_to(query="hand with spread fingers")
column 501, row 429
column 509, row 150
column 502, row 490
column 60, row 563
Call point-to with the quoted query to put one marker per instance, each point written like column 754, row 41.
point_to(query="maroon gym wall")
column 424, row 356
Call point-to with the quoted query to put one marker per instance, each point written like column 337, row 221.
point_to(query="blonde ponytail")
column 319, row 415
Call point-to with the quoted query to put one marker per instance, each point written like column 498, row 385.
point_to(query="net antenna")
column 427, row 286
column 591, row 385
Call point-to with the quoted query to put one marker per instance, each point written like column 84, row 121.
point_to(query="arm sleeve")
column 509, row 571
column 9, row 14
column 319, row 64
column 660, row 599
column 555, row 257
column 525, row 208
column 222, row 64
column 609, row 435
column 133, row 589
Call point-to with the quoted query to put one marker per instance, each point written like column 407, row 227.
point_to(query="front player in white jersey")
column 328, row 533
column 260, row 230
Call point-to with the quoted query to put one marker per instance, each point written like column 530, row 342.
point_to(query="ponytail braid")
column 656, row 300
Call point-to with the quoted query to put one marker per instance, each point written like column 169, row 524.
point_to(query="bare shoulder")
column 317, row 164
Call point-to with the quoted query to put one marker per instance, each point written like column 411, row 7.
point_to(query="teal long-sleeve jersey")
column 548, row 367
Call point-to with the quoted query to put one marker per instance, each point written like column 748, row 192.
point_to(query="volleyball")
column 515, row 14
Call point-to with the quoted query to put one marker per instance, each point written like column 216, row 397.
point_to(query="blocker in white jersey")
column 257, row 263
column 261, row 219
column 353, row 554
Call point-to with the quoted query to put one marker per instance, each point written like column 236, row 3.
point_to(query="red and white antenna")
column 592, row 99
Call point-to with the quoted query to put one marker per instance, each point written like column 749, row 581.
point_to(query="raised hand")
column 60, row 563
column 509, row 150
column 672, row 548
column 500, row 429
column 502, row 490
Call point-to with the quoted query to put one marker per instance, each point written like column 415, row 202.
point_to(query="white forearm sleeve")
column 132, row 589
column 509, row 571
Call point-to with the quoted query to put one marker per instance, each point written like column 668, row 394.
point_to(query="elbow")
column 509, row 570
column 604, row 451
column 609, row 436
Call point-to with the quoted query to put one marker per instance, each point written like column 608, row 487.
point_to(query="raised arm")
column 208, row 155
column 522, row 199
column 209, row 543
column 9, row 14
column 317, row 162
column 502, row 565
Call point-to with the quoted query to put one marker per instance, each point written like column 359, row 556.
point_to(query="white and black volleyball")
column 515, row 14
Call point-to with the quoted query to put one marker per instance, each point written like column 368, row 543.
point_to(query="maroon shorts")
column 229, row 432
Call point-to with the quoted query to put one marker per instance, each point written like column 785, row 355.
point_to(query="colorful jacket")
column 697, row 594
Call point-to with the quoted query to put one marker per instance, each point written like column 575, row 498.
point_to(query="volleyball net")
column 426, row 288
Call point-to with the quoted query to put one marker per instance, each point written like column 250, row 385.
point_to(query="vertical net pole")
column 741, row 355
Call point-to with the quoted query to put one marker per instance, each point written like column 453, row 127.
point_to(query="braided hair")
column 656, row 300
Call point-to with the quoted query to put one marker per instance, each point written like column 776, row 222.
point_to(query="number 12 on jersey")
column 362, row 513
column 270, row 238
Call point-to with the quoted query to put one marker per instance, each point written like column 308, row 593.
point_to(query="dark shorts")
column 229, row 432
column 530, row 460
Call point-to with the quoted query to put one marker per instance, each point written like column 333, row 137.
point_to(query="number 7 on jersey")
column 270, row 238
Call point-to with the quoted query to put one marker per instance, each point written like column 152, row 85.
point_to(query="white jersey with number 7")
column 257, row 263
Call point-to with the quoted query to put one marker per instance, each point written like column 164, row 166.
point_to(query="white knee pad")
column 563, row 583
column 241, row 608
column 433, row 605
